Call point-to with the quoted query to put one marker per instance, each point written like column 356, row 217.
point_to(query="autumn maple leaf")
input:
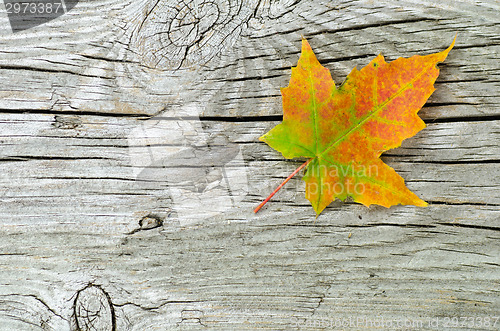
column 343, row 131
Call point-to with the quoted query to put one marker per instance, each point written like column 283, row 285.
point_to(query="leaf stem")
column 281, row 185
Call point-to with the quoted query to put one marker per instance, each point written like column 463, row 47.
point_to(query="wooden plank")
column 250, row 267
column 37, row 136
column 108, row 68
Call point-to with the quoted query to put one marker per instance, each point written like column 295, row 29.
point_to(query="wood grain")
column 130, row 166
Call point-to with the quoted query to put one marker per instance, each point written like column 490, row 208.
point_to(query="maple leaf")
column 343, row 131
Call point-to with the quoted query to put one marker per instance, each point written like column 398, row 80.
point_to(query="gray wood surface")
column 130, row 166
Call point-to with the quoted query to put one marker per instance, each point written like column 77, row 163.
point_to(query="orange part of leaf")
column 345, row 130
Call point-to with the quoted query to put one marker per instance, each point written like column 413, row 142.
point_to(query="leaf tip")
column 416, row 201
column 422, row 203
column 452, row 43
column 305, row 46
column 454, row 39
column 446, row 51
column 318, row 208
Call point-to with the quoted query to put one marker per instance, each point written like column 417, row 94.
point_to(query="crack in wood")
column 470, row 226
column 47, row 70
column 368, row 26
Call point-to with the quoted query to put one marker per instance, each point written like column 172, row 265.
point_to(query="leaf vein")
column 375, row 111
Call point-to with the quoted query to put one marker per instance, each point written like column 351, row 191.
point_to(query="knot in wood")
column 93, row 309
column 190, row 33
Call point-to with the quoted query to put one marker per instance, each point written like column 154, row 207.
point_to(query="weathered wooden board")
column 130, row 166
